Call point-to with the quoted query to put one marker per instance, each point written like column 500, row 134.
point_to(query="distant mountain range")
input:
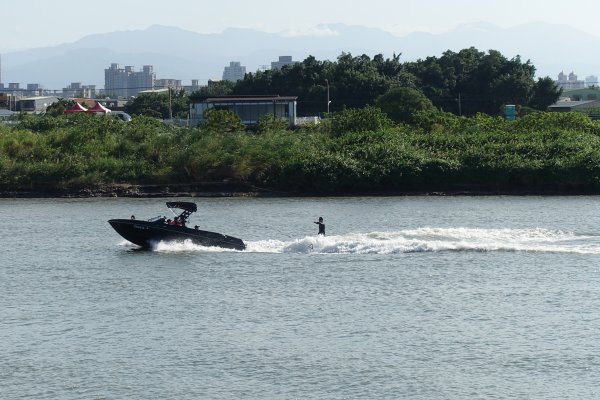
column 179, row 54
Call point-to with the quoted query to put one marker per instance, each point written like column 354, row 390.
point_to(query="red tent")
column 75, row 109
column 99, row 108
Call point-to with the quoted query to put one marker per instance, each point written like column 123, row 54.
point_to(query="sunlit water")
column 406, row 297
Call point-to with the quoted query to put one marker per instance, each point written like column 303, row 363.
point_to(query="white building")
column 37, row 104
column 76, row 89
column 168, row 83
column 591, row 80
column 234, row 72
column 126, row 82
column 569, row 82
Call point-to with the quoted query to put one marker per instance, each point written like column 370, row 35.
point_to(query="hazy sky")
column 38, row 23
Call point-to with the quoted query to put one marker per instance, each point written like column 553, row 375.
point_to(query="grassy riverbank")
column 355, row 152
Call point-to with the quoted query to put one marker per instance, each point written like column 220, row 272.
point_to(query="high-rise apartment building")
column 235, row 72
column 283, row 60
column 569, row 83
column 34, row 89
column 591, row 80
column 125, row 82
column 76, row 89
column 174, row 84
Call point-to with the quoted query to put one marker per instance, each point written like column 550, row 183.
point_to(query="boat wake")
column 425, row 239
column 177, row 246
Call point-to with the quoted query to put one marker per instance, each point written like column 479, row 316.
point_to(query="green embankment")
column 541, row 152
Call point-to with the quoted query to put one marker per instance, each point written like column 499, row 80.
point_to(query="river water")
column 406, row 297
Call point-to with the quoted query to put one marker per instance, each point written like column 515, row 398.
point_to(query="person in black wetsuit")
column 321, row 226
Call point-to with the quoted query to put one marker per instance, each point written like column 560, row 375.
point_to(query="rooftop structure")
column 567, row 106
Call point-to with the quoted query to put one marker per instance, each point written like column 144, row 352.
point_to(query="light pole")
column 327, row 83
column 170, row 104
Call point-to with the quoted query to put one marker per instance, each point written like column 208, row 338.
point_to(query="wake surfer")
column 321, row 226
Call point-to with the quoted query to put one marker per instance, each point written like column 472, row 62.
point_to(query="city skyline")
column 185, row 55
column 49, row 24
column 127, row 81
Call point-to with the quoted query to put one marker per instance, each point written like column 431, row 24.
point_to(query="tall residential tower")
column 235, row 72
column 125, row 82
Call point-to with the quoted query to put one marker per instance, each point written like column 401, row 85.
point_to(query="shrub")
column 359, row 120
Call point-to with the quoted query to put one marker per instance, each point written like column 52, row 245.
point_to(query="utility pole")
column 170, row 104
column 327, row 83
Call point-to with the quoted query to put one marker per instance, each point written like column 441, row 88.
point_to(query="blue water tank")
column 510, row 111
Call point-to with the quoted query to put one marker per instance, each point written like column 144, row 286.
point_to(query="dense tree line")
column 471, row 81
column 463, row 83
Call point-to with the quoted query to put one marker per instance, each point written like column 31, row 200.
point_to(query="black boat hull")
column 146, row 233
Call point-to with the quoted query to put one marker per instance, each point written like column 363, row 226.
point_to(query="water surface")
column 406, row 297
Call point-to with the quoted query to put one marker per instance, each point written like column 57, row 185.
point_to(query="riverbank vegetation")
column 433, row 125
column 355, row 151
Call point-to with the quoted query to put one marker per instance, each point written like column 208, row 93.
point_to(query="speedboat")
column 147, row 233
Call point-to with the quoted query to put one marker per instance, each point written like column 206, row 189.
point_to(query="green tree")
column 180, row 103
column 222, row 121
column 365, row 119
column 401, row 104
column 306, row 80
column 545, row 93
column 271, row 123
column 213, row 89
column 149, row 104
column 357, row 81
column 472, row 81
column 58, row 108
column 160, row 105
column 353, row 82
